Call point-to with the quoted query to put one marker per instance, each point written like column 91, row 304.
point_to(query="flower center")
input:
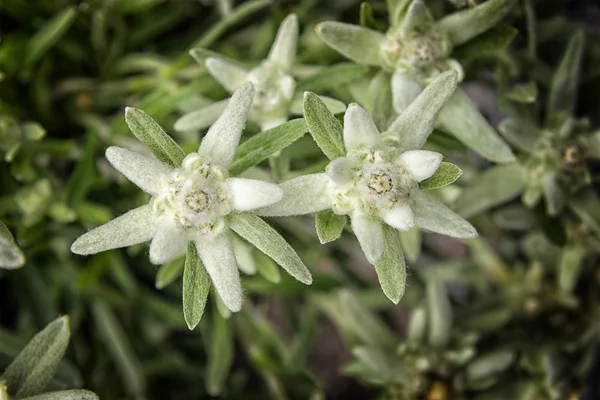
column 416, row 50
column 274, row 90
column 195, row 196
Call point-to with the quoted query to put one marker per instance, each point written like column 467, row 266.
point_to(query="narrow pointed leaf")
column 332, row 77
column 432, row 215
column 446, row 174
column 167, row 273
column 493, row 187
column 220, row 354
column 196, row 286
column 264, row 144
column 154, row 137
column 439, row 312
column 463, row 26
column 486, row 44
column 11, row 256
column 329, row 225
column 461, row 117
column 229, row 75
column 49, row 34
column 202, row 118
column 324, row 127
column 391, row 267
column 269, row 241
column 411, row 243
column 76, row 394
column 359, row 44
column 32, row 370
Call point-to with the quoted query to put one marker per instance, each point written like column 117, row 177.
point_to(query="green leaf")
column 324, row 127
column 490, row 364
column 267, row 268
column 76, row 394
column 461, row 117
column 196, row 286
column 11, row 256
column 113, row 336
column 411, row 243
column 526, row 93
column 359, row 44
column 49, row 34
column 84, row 176
column 417, row 324
column 569, row 267
column 463, row 26
column 34, row 367
column 329, row 225
column 269, row 241
column 264, row 144
column 563, row 89
column 167, row 273
column 439, row 312
column 446, row 174
column 586, row 206
column 380, row 104
column 332, row 77
column 154, row 137
column 489, row 43
column 367, row 19
column 220, row 354
column 391, row 268
column 493, row 187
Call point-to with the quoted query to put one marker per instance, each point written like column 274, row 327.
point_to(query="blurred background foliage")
column 513, row 314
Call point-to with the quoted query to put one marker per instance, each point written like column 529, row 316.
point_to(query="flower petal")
column 143, row 171
column 421, row 164
column 306, row 194
column 219, row 260
column 405, row 89
column 202, row 118
column 133, row 227
column 339, row 170
column 369, row 233
column 168, row 242
column 283, row 50
column 249, row 194
column 223, row 137
column 434, row 216
column 359, row 44
column 417, row 17
column 228, row 74
column 400, row 217
column 359, row 128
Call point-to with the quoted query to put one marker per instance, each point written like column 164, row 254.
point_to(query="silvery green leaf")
column 487, row 44
column 417, row 18
column 264, row 144
column 439, row 313
column 229, row 75
column 202, row 118
column 391, row 267
column 414, row 125
column 495, row 186
column 569, row 266
column 31, row 371
column 11, row 256
column 119, row 349
column 359, row 44
column 325, row 129
column 75, row 394
column 269, row 241
column 432, row 215
column 49, row 34
column 405, row 89
column 221, row 141
column 490, row 364
column 334, row 106
column 411, row 243
column 167, row 273
column 553, row 192
column 380, row 101
column 220, row 354
column 267, row 268
column 305, row 194
column 461, row 117
column 196, row 286
column 133, row 227
column 524, row 93
column 154, row 137
column 446, row 174
column 465, row 25
column 417, row 324
column 520, row 133
column 563, row 88
column 367, row 19
column 586, row 206
column 283, row 51
column 329, row 225
column 243, row 255
column 332, row 77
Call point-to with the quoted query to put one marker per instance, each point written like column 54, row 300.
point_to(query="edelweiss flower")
column 377, row 181
column 192, row 203
column 416, row 49
column 276, row 96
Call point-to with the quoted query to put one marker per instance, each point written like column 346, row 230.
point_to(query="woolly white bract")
column 190, row 203
column 276, row 97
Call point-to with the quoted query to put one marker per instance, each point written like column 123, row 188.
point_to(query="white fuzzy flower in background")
column 276, row 97
column 189, row 203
